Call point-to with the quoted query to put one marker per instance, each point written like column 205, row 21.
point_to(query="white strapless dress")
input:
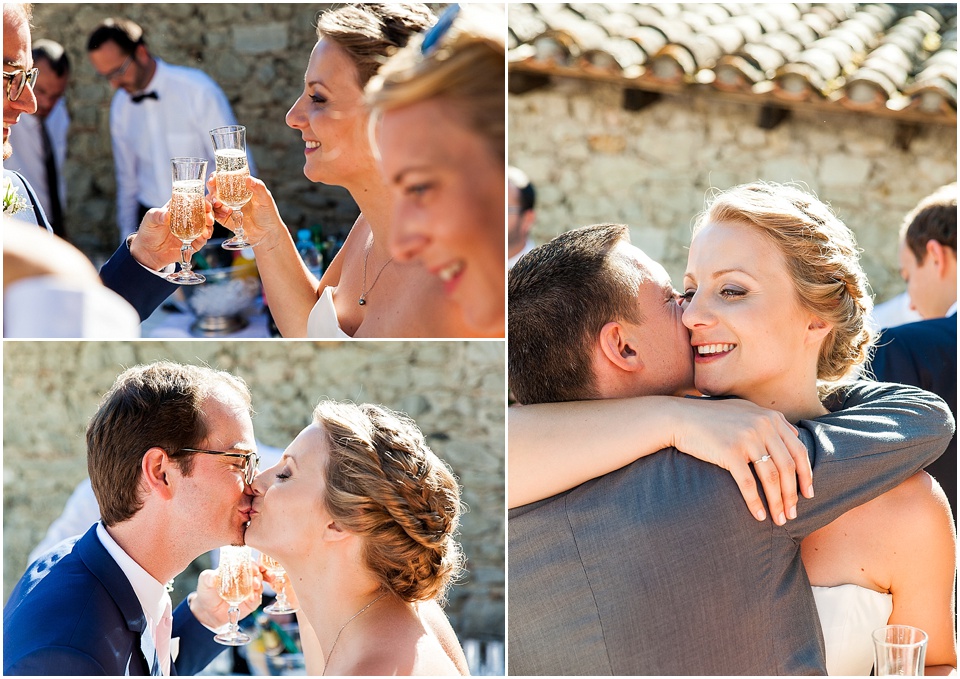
column 323, row 322
column 848, row 616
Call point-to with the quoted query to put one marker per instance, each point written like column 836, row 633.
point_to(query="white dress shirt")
column 151, row 593
column 895, row 311
column 27, row 158
column 147, row 135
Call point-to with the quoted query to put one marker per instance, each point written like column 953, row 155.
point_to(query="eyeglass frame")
column 434, row 35
column 29, row 79
column 118, row 72
column 249, row 471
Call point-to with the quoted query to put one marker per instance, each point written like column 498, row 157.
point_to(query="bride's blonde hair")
column 823, row 261
column 384, row 484
column 465, row 69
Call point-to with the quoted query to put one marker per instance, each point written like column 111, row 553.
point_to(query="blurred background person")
column 521, row 200
column 42, row 142
column 924, row 353
column 442, row 135
column 159, row 111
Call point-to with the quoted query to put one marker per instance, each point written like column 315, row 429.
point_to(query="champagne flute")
column 230, row 152
column 899, row 650
column 236, row 584
column 281, row 606
column 187, row 217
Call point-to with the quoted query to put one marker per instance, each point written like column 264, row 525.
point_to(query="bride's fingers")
column 787, row 471
column 220, row 211
column 801, row 458
column 766, row 470
column 748, row 489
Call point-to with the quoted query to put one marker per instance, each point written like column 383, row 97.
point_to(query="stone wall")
column 454, row 390
column 593, row 161
column 256, row 52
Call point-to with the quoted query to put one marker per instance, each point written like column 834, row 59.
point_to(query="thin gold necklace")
column 364, row 293
column 337, row 638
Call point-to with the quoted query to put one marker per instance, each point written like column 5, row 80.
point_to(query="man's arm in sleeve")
column 197, row 647
column 879, row 437
column 142, row 288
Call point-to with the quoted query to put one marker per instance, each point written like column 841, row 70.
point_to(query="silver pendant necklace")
column 365, row 292
column 337, row 638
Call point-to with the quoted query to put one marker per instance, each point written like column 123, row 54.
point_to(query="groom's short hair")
column 157, row 405
column 560, row 295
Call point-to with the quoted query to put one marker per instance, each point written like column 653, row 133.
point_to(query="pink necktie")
column 162, row 637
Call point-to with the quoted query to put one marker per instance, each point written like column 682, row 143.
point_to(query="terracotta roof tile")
column 882, row 57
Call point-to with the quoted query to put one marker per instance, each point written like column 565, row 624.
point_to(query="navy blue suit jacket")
column 122, row 273
column 74, row 612
column 924, row 354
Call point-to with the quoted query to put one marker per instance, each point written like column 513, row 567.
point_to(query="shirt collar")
column 952, row 310
column 159, row 76
column 157, row 81
column 151, row 593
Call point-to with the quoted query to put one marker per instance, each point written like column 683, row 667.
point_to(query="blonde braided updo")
column 823, row 261
column 384, row 484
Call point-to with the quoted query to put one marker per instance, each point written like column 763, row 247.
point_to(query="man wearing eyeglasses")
column 19, row 77
column 171, row 454
column 41, row 147
column 135, row 269
column 159, row 111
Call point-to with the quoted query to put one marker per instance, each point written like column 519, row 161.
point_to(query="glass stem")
column 281, row 590
column 234, row 619
column 238, row 222
column 185, row 264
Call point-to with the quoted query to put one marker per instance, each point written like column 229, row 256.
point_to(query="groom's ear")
column 154, row 469
column 619, row 348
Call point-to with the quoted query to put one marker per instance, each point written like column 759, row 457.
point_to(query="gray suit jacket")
column 658, row 568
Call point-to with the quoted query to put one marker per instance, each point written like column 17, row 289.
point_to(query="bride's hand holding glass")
column 262, row 223
column 275, row 575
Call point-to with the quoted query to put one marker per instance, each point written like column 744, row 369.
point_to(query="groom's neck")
column 151, row 548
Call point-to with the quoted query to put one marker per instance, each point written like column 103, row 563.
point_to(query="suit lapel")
column 96, row 558
column 34, row 213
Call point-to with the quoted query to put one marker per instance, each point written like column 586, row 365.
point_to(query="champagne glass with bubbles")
column 230, row 151
column 281, row 606
column 236, row 585
column 187, row 217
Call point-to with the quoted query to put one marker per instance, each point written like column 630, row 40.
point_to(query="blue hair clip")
column 433, row 36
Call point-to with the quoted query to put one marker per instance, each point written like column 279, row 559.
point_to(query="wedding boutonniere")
column 13, row 202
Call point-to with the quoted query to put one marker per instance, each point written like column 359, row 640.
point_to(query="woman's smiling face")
column 449, row 190
column 749, row 332
column 332, row 117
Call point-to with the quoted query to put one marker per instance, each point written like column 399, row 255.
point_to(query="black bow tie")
column 137, row 98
